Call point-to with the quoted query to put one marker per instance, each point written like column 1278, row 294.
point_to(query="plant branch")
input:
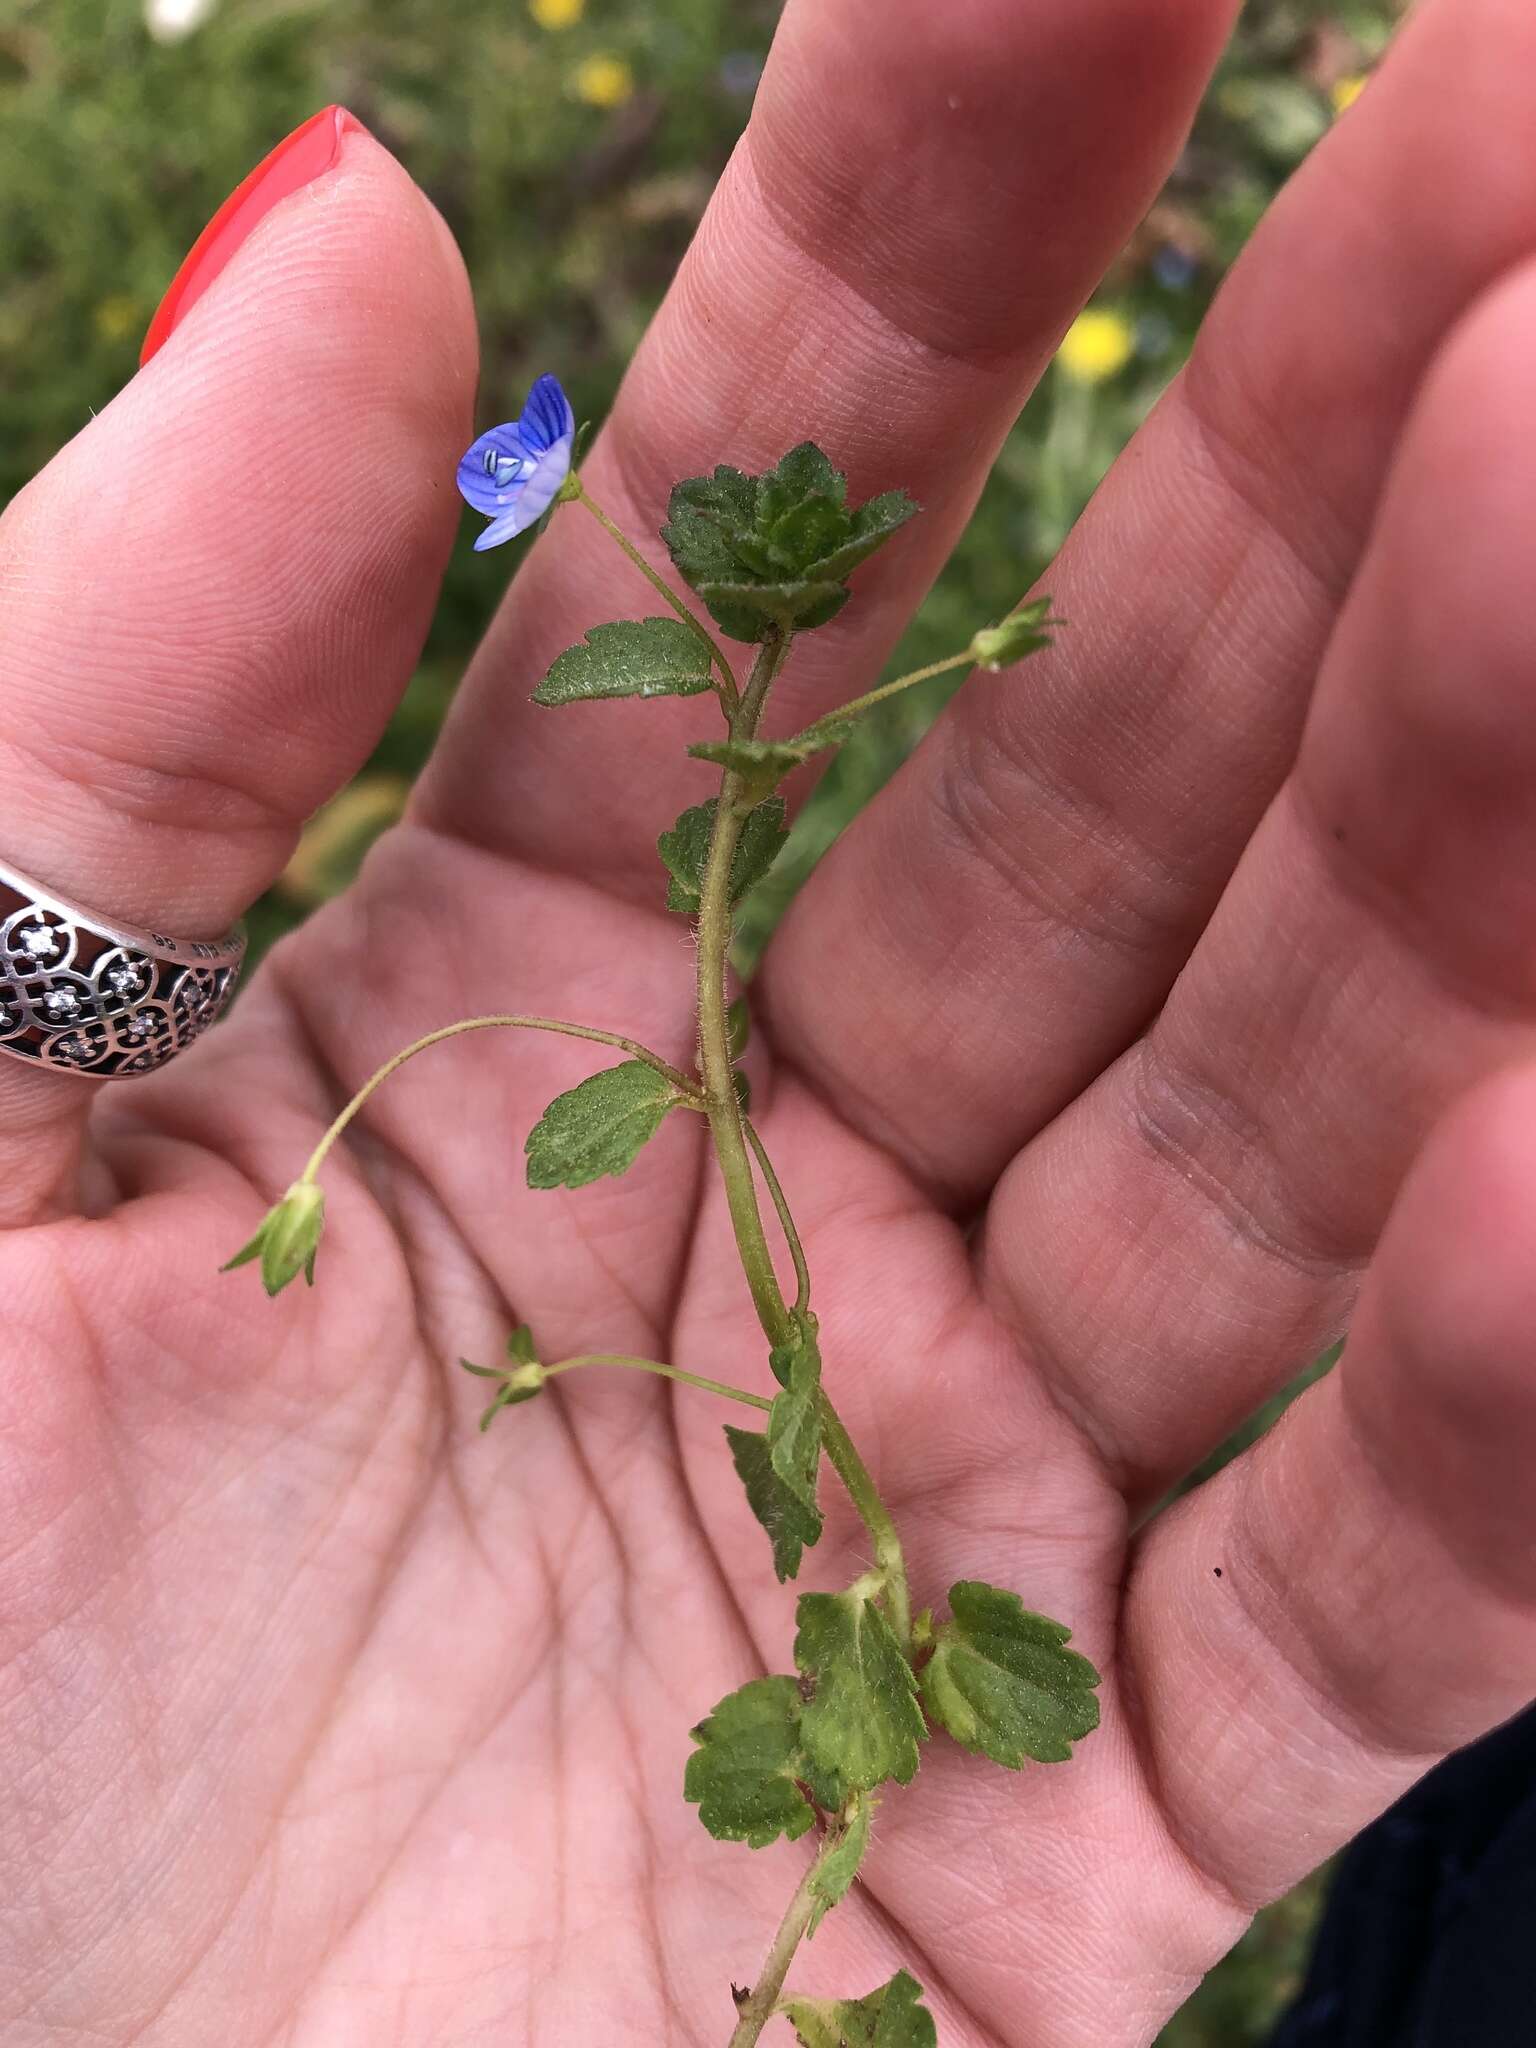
column 763, row 1998
column 687, row 1088
column 729, row 694
column 666, row 1372
column 714, row 939
column 965, row 659
column 786, row 1221
column 876, row 1517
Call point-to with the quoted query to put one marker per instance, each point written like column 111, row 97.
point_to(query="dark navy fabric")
column 1429, row 1935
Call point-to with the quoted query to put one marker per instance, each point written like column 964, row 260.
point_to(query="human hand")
column 327, row 1720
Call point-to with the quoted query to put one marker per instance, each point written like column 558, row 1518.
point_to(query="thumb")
column 212, row 598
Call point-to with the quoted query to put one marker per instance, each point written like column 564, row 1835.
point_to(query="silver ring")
column 83, row 996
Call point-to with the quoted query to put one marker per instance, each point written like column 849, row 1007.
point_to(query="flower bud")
column 1022, row 632
column 288, row 1238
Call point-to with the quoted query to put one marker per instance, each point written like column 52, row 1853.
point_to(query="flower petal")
column 513, row 472
column 506, row 528
column 547, row 417
column 482, row 473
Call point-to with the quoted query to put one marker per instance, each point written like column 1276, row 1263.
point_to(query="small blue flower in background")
column 512, row 473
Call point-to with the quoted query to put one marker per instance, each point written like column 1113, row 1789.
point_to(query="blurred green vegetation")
column 572, row 145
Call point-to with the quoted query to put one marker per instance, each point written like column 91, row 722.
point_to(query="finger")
column 923, row 199
column 1191, row 1231
column 212, row 598
column 1015, row 906
column 1377, row 1569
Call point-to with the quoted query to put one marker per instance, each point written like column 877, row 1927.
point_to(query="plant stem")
column 730, row 696
column 686, row 1088
column 876, row 1517
column 786, row 1221
column 732, row 1133
column 764, row 1995
column 666, row 1372
column 965, row 659
column 722, row 1108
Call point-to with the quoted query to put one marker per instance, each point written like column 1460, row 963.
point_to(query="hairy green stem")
column 733, row 1135
column 965, row 659
column 758, row 2007
column 578, row 493
column 666, row 1372
column 786, row 1221
column 722, row 1108
column 685, row 1087
column 876, row 1517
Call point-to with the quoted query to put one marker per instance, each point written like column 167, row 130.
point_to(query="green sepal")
column 657, row 657
column 891, row 2017
column 794, row 1420
column 863, row 1722
column 287, row 1240
column 747, row 1773
column 521, row 1382
column 684, row 851
column 600, row 1127
column 520, row 1346
column 840, row 1866
column 763, row 764
column 1021, row 633
column 769, row 554
column 1002, row 1682
column 792, row 1526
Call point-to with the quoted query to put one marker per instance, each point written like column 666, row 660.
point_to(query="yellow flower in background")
column 1347, row 90
column 118, row 316
column 1097, row 346
column 604, row 82
column 557, row 13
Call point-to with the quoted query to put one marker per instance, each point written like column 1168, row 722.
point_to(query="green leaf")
column 288, row 1239
column 792, row 1526
column 891, row 2017
column 1020, row 634
column 794, row 1422
column 763, row 764
column 631, row 658
column 600, row 1127
column 840, row 1866
column 746, row 1774
column 685, row 851
column 742, row 1084
column 1002, row 1683
column 863, row 1722
column 776, row 604
column 770, row 553
column 873, row 524
column 805, row 472
column 782, row 1357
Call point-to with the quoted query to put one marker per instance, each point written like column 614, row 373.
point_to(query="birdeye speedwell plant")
column 814, row 1751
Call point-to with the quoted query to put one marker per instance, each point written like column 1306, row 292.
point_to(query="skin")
column 1171, row 1008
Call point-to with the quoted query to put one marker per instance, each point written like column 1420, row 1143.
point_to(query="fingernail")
column 297, row 160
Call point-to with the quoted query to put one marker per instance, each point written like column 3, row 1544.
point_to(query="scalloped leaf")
column 1002, row 1682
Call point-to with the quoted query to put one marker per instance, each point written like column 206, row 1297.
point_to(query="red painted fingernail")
column 296, row 161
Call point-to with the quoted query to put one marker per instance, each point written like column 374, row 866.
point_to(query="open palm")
column 1094, row 1061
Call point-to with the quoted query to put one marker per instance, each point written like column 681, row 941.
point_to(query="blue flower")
column 512, row 473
